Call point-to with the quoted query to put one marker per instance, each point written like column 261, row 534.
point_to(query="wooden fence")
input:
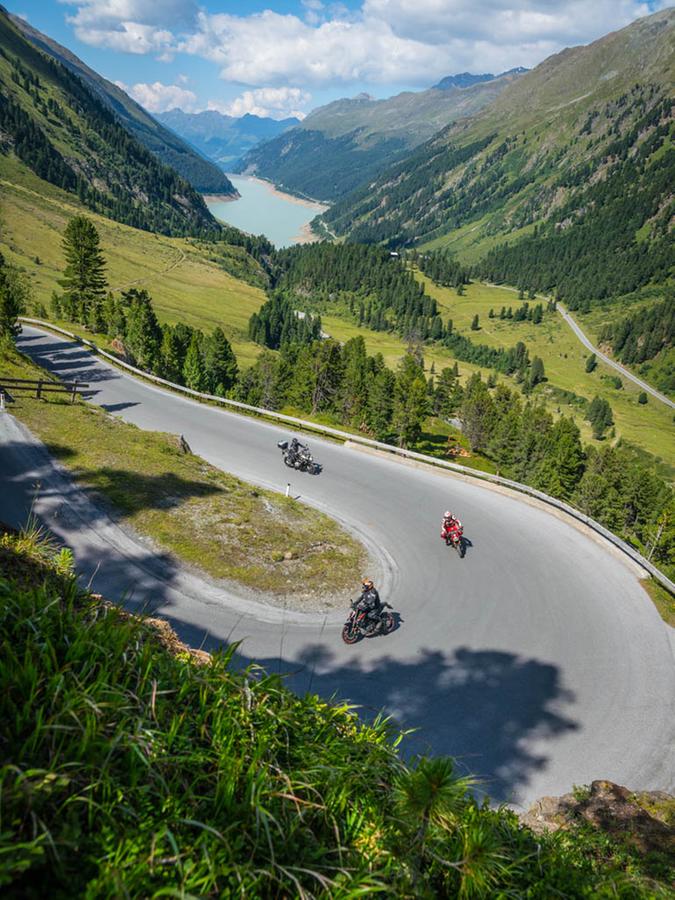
column 41, row 386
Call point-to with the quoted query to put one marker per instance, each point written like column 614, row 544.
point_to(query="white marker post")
column 288, row 489
column 2, row 402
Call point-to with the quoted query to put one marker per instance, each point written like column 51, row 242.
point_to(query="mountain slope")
column 579, row 149
column 342, row 144
column 224, row 139
column 167, row 147
column 61, row 130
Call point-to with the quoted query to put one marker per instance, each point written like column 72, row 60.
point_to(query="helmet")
column 448, row 514
column 367, row 583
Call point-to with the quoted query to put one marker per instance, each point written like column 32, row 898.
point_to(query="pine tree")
column 563, row 464
column 144, row 335
column 193, row 368
column 220, row 363
column 410, row 401
column 170, row 355
column 13, row 295
column 537, row 374
column 591, row 363
column 475, row 323
column 380, row 405
column 642, row 398
column 83, row 280
column 354, row 388
column 477, row 412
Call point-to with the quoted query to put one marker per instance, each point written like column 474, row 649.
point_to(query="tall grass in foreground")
column 130, row 770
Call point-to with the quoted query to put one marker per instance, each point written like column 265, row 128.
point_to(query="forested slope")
column 350, row 141
column 166, row 146
column 572, row 165
column 61, row 130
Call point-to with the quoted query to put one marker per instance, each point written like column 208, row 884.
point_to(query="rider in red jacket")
column 451, row 527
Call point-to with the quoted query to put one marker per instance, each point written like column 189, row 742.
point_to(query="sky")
column 285, row 57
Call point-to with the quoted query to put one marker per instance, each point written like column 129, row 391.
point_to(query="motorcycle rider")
column 297, row 449
column 451, row 527
column 370, row 603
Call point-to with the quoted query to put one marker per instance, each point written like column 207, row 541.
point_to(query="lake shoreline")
column 291, row 198
column 265, row 209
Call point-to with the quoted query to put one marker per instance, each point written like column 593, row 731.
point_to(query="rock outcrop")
column 644, row 820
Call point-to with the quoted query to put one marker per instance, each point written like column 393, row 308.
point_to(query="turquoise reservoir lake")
column 262, row 209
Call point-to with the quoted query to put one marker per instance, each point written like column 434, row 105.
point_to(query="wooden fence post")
column 38, row 393
column 72, row 396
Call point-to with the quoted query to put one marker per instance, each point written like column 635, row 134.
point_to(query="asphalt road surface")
column 538, row 660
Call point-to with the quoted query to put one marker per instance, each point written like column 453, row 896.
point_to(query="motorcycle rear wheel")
column 289, row 462
column 388, row 623
column 350, row 635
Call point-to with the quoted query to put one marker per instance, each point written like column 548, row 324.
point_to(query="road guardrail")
column 306, row 425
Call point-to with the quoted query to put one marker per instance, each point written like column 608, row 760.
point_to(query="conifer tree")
column 220, row 363
column 83, row 280
column 143, row 333
column 537, row 374
column 170, row 356
column 411, row 404
column 477, row 412
column 563, row 464
column 380, row 404
column 13, row 295
column 193, row 367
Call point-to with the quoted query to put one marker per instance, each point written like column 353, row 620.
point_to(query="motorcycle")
column 356, row 628
column 300, row 459
column 455, row 539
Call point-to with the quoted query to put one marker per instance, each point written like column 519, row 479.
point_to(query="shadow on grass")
column 132, row 492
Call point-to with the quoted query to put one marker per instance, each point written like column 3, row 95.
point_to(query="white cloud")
column 158, row 97
column 132, row 26
column 273, row 103
column 268, row 48
column 505, row 21
column 384, row 41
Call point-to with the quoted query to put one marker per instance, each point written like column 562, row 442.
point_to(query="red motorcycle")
column 454, row 538
column 356, row 626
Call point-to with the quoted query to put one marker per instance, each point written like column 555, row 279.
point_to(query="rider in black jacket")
column 370, row 603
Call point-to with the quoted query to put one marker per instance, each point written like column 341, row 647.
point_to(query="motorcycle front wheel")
column 350, row 635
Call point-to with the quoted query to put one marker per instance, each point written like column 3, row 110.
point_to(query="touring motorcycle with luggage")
column 298, row 456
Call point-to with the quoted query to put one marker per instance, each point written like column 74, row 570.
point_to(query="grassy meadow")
column 649, row 426
column 184, row 284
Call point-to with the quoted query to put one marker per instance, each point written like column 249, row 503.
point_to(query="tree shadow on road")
column 494, row 711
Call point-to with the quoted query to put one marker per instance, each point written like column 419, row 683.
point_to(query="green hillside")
column 53, row 122
column 348, row 142
column 569, row 168
column 204, row 284
column 162, row 142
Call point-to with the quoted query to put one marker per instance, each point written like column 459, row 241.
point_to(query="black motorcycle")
column 298, row 457
column 359, row 626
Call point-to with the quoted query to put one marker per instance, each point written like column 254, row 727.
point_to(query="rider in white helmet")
column 450, row 524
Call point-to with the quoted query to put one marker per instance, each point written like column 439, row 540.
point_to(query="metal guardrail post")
column 378, row 445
